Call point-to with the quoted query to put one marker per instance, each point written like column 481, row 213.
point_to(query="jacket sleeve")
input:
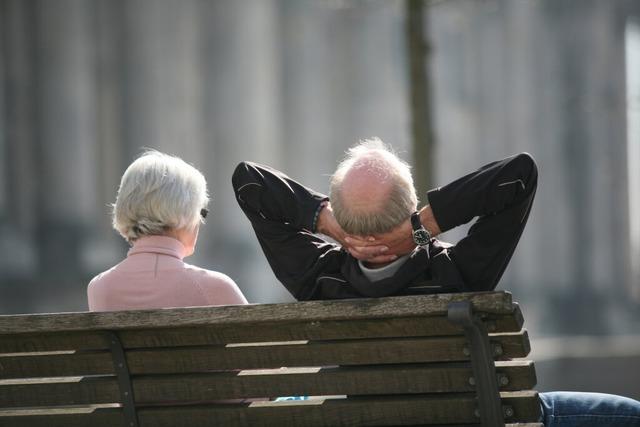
column 282, row 213
column 500, row 195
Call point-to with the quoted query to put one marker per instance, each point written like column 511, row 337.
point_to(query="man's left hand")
column 362, row 248
column 399, row 241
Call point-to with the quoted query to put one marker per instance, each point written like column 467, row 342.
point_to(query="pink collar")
column 158, row 245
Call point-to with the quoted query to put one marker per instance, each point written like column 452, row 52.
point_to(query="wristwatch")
column 421, row 235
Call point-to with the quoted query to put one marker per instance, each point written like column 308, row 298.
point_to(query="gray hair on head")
column 380, row 161
column 157, row 193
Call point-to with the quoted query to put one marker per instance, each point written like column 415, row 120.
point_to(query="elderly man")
column 388, row 246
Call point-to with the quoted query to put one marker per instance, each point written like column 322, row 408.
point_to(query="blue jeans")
column 571, row 409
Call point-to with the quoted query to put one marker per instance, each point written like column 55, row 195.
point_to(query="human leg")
column 577, row 409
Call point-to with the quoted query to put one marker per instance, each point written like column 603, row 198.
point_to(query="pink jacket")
column 154, row 276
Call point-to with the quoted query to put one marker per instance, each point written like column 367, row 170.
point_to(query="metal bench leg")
column 124, row 380
column 484, row 371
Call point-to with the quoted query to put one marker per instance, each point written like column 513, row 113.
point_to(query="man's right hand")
column 365, row 249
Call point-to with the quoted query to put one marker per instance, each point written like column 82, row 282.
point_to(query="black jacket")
column 282, row 213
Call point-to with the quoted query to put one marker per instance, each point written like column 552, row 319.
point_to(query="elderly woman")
column 160, row 205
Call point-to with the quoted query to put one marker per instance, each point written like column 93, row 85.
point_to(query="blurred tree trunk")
column 420, row 96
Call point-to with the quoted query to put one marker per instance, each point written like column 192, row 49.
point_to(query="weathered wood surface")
column 81, row 416
column 413, row 410
column 302, row 329
column 363, row 380
column 60, row 364
column 389, row 307
column 58, row 391
column 380, row 411
column 399, row 360
column 112, row 418
column 53, row 341
column 219, row 335
column 259, row 356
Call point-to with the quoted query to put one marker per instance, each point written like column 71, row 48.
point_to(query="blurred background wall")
column 86, row 85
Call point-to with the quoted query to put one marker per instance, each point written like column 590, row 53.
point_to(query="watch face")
column 421, row 237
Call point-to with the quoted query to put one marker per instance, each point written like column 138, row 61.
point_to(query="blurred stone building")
column 86, row 85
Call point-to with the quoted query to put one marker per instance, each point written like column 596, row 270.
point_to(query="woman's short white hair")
column 402, row 200
column 158, row 192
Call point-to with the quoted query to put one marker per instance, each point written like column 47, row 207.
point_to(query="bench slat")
column 367, row 308
column 47, row 364
column 380, row 411
column 391, row 379
column 53, row 341
column 416, row 410
column 364, row 380
column 81, row 416
column 513, row 345
column 58, row 391
column 315, row 353
column 303, row 329
column 257, row 356
column 525, row 405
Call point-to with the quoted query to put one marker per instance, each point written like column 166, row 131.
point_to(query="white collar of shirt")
column 375, row 274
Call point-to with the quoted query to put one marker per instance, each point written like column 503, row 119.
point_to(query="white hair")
column 377, row 157
column 158, row 192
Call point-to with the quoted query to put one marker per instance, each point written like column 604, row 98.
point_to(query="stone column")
column 3, row 125
column 163, row 78
column 67, row 132
column 378, row 78
column 316, row 73
column 242, row 120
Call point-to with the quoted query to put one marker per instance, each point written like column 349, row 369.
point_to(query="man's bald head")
column 372, row 190
column 366, row 186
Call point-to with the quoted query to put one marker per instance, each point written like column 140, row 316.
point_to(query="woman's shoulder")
column 219, row 286
column 208, row 275
column 99, row 287
column 102, row 277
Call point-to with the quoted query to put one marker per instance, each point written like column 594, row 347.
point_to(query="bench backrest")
column 385, row 361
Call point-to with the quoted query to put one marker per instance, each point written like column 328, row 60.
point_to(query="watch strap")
column 415, row 221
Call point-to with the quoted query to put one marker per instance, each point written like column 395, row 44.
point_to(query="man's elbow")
column 247, row 186
column 527, row 161
column 527, row 169
column 241, row 175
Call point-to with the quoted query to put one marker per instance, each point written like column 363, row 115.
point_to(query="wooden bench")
column 422, row 360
